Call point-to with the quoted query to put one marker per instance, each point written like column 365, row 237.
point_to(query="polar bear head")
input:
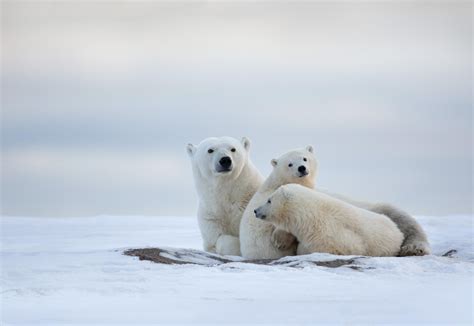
column 296, row 166
column 221, row 157
column 275, row 209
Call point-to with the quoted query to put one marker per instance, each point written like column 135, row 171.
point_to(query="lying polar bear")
column 322, row 223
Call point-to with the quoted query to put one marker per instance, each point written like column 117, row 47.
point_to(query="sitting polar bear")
column 260, row 240
column 322, row 223
column 225, row 180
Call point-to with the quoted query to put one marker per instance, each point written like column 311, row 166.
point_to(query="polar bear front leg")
column 210, row 232
column 283, row 240
column 228, row 245
column 215, row 240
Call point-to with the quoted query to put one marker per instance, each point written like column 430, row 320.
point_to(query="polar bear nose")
column 259, row 215
column 225, row 162
column 302, row 168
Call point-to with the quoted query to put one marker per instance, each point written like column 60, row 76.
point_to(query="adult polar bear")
column 225, row 181
column 260, row 240
column 322, row 223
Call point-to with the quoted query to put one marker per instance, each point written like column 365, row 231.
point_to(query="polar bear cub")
column 322, row 223
column 225, row 181
column 260, row 240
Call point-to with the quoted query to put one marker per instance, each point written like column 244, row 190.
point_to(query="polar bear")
column 259, row 240
column 322, row 223
column 225, row 181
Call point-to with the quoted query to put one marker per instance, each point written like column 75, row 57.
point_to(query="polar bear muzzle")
column 303, row 171
column 225, row 164
column 259, row 214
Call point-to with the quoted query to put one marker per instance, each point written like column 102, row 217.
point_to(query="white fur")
column 255, row 235
column 325, row 224
column 222, row 196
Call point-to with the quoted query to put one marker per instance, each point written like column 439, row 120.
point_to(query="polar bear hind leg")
column 415, row 242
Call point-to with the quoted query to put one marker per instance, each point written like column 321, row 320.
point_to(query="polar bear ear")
column 274, row 162
column 191, row 149
column 246, row 143
column 310, row 149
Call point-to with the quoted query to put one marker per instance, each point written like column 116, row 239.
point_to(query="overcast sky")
column 100, row 98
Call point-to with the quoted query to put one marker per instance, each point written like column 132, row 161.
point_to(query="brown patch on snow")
column 196, row 257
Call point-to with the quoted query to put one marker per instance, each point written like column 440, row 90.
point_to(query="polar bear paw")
column 418, row 248
column 228, row 245
column 282, row 240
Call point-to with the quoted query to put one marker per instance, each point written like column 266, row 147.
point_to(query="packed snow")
column 72, row 270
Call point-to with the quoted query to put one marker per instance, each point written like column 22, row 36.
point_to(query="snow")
column 72, row 270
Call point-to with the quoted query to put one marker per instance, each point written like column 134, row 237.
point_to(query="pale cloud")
column 132, row 167
column 116, row 40
column 84, row 182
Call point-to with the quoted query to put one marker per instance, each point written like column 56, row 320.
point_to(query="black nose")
column 302, row 168
column 225, row 162
column 255, row 211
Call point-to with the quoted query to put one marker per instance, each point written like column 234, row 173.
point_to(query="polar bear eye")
column 290, row 165
column 304, row 159
column 210, row 150
column 269, row 201
column 233, row 150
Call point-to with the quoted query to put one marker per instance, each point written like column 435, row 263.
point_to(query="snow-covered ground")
column 71, row 270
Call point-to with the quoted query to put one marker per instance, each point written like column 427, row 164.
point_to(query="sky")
column 100, row 98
